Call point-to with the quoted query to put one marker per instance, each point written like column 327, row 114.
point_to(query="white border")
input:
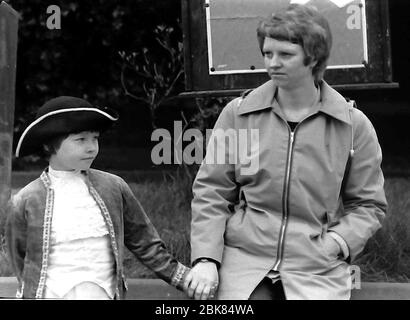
column 57, row 112
column 208, row 36
column 348, row 66
column 364, row 29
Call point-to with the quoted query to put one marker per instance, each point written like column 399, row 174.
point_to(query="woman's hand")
column 202, row 281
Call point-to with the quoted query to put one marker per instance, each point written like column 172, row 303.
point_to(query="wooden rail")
column 155, row 289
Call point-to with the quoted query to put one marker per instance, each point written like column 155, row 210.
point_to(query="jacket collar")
column 331, row 102
column 45, row 178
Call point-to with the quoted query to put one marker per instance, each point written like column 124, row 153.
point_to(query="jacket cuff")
column 179, row 276
column 207, row 259
column 342, row 243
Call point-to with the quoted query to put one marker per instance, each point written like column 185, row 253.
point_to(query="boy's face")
column 77, row 152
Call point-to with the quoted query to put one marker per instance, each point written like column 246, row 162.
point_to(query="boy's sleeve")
column 16, row 235
column 142, row 239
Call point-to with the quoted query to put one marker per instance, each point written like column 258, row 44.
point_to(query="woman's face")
column 284, row 62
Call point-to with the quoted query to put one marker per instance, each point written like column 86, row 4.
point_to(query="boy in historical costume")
column 65, row 230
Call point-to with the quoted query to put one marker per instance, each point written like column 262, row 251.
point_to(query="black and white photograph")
column 200, row 156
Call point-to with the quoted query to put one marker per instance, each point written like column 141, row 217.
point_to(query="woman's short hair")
column 302, row 25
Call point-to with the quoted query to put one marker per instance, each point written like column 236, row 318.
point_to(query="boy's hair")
column 52, row 145
column 302, row 25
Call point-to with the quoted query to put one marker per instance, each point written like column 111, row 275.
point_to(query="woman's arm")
column 363, row 196
column 215, row 192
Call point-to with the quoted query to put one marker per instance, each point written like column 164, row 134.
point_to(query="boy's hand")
column 202, row 281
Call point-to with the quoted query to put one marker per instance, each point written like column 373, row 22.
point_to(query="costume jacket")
column 29, row 223
column 273, row 207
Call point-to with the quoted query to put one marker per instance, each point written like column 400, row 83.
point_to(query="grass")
column 386, row 257
column 5, row 268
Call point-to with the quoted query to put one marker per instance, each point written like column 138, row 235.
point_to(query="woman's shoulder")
column 359, row 119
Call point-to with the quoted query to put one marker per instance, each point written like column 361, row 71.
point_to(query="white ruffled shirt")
column 80, row 248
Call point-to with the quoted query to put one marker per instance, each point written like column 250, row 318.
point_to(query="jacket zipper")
column 285, row 205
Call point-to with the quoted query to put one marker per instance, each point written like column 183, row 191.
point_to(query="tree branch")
column 127, row 92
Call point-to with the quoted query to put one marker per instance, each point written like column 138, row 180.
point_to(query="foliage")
column 156, row 74
column 387, row 254
column 208, row 112
column 5, row 265
column 81, row 58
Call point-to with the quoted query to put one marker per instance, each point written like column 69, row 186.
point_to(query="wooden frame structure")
column 200, row 81
column 8, row 59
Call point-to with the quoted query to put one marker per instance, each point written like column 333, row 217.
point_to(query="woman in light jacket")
column 290, row 227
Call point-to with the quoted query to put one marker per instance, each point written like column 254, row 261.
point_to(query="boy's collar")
column 62, row 173
column 47, row 181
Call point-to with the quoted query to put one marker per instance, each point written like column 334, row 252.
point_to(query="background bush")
column 82, row 58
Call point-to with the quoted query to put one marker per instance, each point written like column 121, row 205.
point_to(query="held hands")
column 202, row 281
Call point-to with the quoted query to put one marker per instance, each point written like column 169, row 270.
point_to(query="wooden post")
column 8, row 51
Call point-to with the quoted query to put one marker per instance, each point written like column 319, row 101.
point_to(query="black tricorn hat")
column 63, row 115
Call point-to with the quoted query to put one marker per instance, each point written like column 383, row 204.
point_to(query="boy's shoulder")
column 30, row 189
column 32, row 186
column 105, row 176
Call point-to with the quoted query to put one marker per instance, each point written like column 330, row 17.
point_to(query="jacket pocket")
column 329, row 246
column 325, row 245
